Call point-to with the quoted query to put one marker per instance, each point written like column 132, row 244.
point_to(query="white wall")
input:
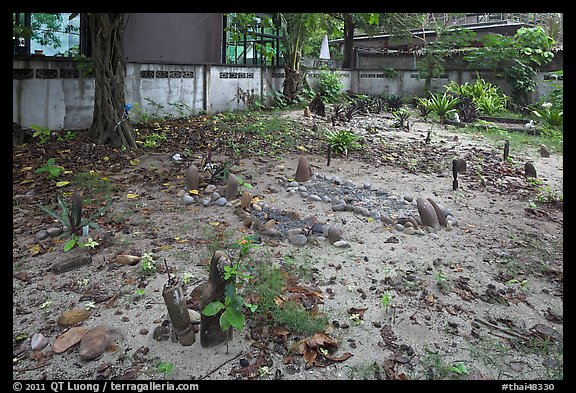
column 55, row 95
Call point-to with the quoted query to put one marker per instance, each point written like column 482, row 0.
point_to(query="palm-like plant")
column 342, row 141
column 443, row 104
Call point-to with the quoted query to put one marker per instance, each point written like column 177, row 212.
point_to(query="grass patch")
column 519, row 141
column 268, row 284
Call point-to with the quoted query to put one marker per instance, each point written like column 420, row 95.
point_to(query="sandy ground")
column 440, row 312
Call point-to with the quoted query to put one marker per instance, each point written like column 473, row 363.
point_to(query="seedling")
column 147, row 263
column 459, row 368
column 89, row 305
column 385, row 301
column 46, row 304
column 166, row 368
column 232, row 315
column 523, row 283
column 186, row 278
column 42, row 133
column 138, row 293
column 50, row 167
column 356, row 319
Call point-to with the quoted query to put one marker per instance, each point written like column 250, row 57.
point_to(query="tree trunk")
column 292, row 79
column 108, row 124
column 349, row 27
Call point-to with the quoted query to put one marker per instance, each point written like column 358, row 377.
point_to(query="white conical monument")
column 324, row 51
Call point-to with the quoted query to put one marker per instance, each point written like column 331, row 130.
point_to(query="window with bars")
column 259, row 45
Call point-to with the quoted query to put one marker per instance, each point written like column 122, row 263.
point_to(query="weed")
column 437, row 368
column 147, row 263
column 50, row 167
column 364, row 372
column 342, row 141
column 139, row 293
column 166, row 368
column 386, row 300
column 72, row 220
column 42, row 133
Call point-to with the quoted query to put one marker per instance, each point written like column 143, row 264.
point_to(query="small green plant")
column 386, row 300
column 46, row 304
column 459, row 368
column 73, row 222
column 355, row 318
column 401, row 117
column 139, row 293
column 166, row 368
column 186, row 277
column 523, row 284
column 342, row 141
column 68, row 136
column 153, row 140
column 51, row 168
column 232, row 314
column 147, row 263
column 42, row 133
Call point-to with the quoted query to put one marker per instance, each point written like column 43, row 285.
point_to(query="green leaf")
column 234, row 317
column 224, row 323
column 70, row 244
column 213, row 308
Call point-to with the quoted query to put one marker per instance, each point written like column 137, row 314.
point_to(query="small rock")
column 94, row 343
column 386, row 219
column 334, row 234
column 210, row 188
column 367, row 186
column 298, row 240
column 408, row 231
column 433, row 235
column 341, row 244
column 72, row 317
column 68, row 339
column 187, row 199
column 314, row 198
column 221, row 201
column 38, row 342
column 544, row 152
column 375, row 215
column 408, row 198
column 54, row 231
column 399, row 227
column 448, row 225
column 41, row 235
column 205, row 201
column 340, row 207
column 143, row 331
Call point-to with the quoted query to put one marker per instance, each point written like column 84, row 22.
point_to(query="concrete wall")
column 54, row 94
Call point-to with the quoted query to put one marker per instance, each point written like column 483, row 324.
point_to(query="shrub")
column 329, row 85
column 442, row 104
column 342, row 141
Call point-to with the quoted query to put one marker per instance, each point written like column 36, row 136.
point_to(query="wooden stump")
column 210, row 332
column 178, row 311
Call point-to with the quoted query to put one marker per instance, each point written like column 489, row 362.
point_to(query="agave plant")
column 71, row 218
column 401, row 117
column 393, row 103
